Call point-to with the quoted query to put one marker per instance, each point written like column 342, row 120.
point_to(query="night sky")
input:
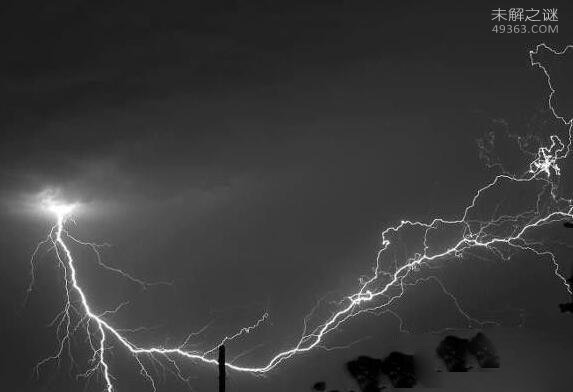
column 251, row 153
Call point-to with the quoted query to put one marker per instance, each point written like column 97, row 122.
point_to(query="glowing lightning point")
column 375, row 294
column 61, row 210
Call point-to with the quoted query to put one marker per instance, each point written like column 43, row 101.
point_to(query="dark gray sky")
column 251, row 153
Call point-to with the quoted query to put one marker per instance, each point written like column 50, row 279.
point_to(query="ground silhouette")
column 371, row 374
column 399, row 370
column 455, row 352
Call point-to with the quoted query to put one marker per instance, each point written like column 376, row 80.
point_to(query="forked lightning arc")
column 502, row 235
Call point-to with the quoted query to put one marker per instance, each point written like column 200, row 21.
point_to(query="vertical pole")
column 221, row 368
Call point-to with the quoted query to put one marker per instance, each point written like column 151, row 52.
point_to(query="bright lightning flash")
column 502, row 235
column 61, row 210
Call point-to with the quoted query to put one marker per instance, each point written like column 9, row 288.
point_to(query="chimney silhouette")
column 221, row 368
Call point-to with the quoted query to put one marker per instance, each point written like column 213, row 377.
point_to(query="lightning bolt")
column 503, row 236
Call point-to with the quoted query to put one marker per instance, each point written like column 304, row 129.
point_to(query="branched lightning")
column 393, row 273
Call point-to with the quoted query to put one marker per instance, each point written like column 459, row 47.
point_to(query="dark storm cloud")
column 257, row 145
column 79, row 81
column 127, row 100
